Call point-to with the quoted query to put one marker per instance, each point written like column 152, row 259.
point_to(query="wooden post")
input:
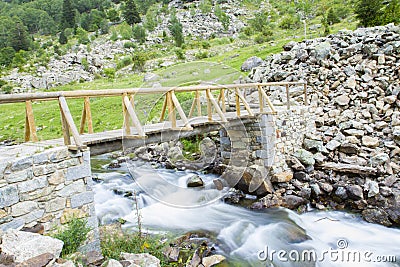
column 171, row 110
column 246, row 105
column 164, row 108
column 198, row 103
column 86, row 117
column 215, row 104
column 127, row 123
column 287, row 97
column 260, row 99
column 69, row 122
column 209, row 106
column 237, row 102
column 271, row 106
column 131, row 113
column 305, row 95
column 30, row 128
column 180, row 110
column 223, row 102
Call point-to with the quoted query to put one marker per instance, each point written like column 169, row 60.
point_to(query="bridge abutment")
column 49, row 188
column 263, row 145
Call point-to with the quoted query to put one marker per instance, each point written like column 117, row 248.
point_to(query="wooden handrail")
column 13, row 98
column 171, row 106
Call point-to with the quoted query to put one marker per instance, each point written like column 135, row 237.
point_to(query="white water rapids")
column 273, row 237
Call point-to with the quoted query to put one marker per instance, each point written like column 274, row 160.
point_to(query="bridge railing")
column 215, row 96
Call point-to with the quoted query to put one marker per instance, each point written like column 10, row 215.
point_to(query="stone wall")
column 262, row 146
column 47, row 188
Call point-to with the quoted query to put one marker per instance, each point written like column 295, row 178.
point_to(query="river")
column 272, row 237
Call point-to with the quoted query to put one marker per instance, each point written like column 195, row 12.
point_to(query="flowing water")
column 274, row 237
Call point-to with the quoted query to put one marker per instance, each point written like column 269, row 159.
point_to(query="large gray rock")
column 251, row 63
column 24, row 245
column 195, row 181
column 144, row 259
column 305, row 157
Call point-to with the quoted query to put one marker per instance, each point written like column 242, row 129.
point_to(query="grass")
column 222, row 68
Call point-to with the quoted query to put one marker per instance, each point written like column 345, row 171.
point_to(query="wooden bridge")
column 224, row 103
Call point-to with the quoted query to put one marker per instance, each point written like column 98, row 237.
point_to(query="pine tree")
column 130, row 13
column 176, row 30
column 369, row 12
column 68, row 15
column 63, row 38
column 19, row 37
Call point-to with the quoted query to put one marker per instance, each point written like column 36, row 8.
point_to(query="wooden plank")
column 209, row 106
column 216, row 106
column 171, row 110
column 31, row 121
column 89, row 115
column 13, row 98
column 260, row 99
column 246, row 105
column 192, row 108
column 164, row 108
column 271, row 106
column 127, row 123
column 65, row 128
column 237, row 100
column 70, row 122
column 133, row 116
column 180, row 110
column 223, row 101
column 198, row 104
column 83, row 119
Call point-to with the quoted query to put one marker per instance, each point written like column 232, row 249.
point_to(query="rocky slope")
column 354, row 79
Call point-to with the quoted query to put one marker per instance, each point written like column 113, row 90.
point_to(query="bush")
column 205, row 44
column 125, row 61
column 7, row 89
column 130, row 45
column 73, row 235
column 109, row 73
column 201, row 55
column 113, row 244
column 85, row 64
column 139, row 33
column 180, row 53
column 139, row 61
column 82, row 36
column 290, row 22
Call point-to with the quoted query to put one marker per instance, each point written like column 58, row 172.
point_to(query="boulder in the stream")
column 195, row 181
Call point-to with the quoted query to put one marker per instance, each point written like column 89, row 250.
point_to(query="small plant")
column 73, row 235
column 180, row 53
column 129, row 44
column 109, row 73
column 125, row 61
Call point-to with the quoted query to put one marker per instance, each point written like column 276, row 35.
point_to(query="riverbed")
column 272, row 237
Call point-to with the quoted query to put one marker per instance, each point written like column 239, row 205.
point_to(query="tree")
column 6, row 56
column 176, row 30
column 62, row 39
column 68, row 15
column 369, row 12
column 139, row 33
column 130, row 13
column 392, row 12
column 19, row 37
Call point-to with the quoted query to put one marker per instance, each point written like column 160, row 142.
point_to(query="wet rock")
column 293, row 202
column 302, row 176
column 341, row 193
column 195, row 181
column 376, row 216
column 371, row 187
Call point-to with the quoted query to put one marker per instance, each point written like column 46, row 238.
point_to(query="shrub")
column 180, row 53
column 109, row 73
column 73, row 235
column 130, row 45
column 82, row 36
column 139, row 33
column 139, row 60
column 205, row 44
column 201, row 55
column 125, row 61
column 85, row 64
